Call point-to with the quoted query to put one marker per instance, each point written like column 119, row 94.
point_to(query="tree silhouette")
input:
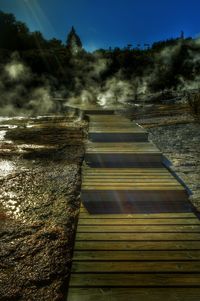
column 74, row 43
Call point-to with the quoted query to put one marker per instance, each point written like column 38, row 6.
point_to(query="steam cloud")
column 18, row 96
column 118, row 90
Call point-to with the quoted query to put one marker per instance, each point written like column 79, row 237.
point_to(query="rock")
column 180, row 145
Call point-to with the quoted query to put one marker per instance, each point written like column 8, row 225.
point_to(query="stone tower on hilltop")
column 74, row 43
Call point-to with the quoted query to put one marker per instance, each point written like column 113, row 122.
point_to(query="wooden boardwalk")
column 137, row 235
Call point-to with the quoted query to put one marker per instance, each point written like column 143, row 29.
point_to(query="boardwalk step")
column 115, row 128
column 135, row 266
column 138, row 294
column 118, row 135
column 135, row 280
column 105, row 245
column 100, row 219
column 107, row 118
column 137, row 235
column 138, row 228
column 120, row 147
column 135, row 255
column 123, row 154
column 133, row 191
column 135, row 154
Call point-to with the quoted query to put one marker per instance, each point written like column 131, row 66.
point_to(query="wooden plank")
column 137, row 294
column 137, row 245
column 144, row 187
column 175, row 215
column 136, row 255
column 144, row 147
column 122, row 170
column 97, row 220
column 137, row 229
column 84, row 210
column 128, row 177
column 135, row 267
column 116, row 129
column 155, row 250
column 127, row 170
column 111, row 123
column 138, row 236
column 107, row 119
column 102, row 173
column 135, row 280
column 131, row 184
column 103, row 125
column 131, row 171
column 136, row 201
column 118, row 136
column 139, row 173
column 112, row 117
column 128, row 159
column 123, row 145
column 118, row 174
column 122, row 151
column 126, row 181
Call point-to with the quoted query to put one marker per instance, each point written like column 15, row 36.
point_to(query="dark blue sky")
column 104, row 23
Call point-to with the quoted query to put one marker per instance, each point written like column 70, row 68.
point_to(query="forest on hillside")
column 33, row 68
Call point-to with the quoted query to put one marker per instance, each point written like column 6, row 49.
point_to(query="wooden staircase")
column 137, row 235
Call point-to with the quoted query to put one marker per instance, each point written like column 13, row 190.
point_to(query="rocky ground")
column 40, row 184
column 178, row 137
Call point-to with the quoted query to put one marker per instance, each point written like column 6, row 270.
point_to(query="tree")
column 55, row 44
column 8, row 32
column 74, row 42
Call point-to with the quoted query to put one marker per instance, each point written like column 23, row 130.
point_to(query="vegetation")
column 165, row 67
column 74, row 43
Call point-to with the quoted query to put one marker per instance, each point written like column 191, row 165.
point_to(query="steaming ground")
column 165, row 75
column 173, row 69
column 18, row 97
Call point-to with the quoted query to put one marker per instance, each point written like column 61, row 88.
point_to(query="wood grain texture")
column 137, row 294
column 102, row 221
column 137, row 245
column 137, row 236
column 143, row 243
column 138, row 229
column 135, row 280
column 135, row 267
column 136, row 255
